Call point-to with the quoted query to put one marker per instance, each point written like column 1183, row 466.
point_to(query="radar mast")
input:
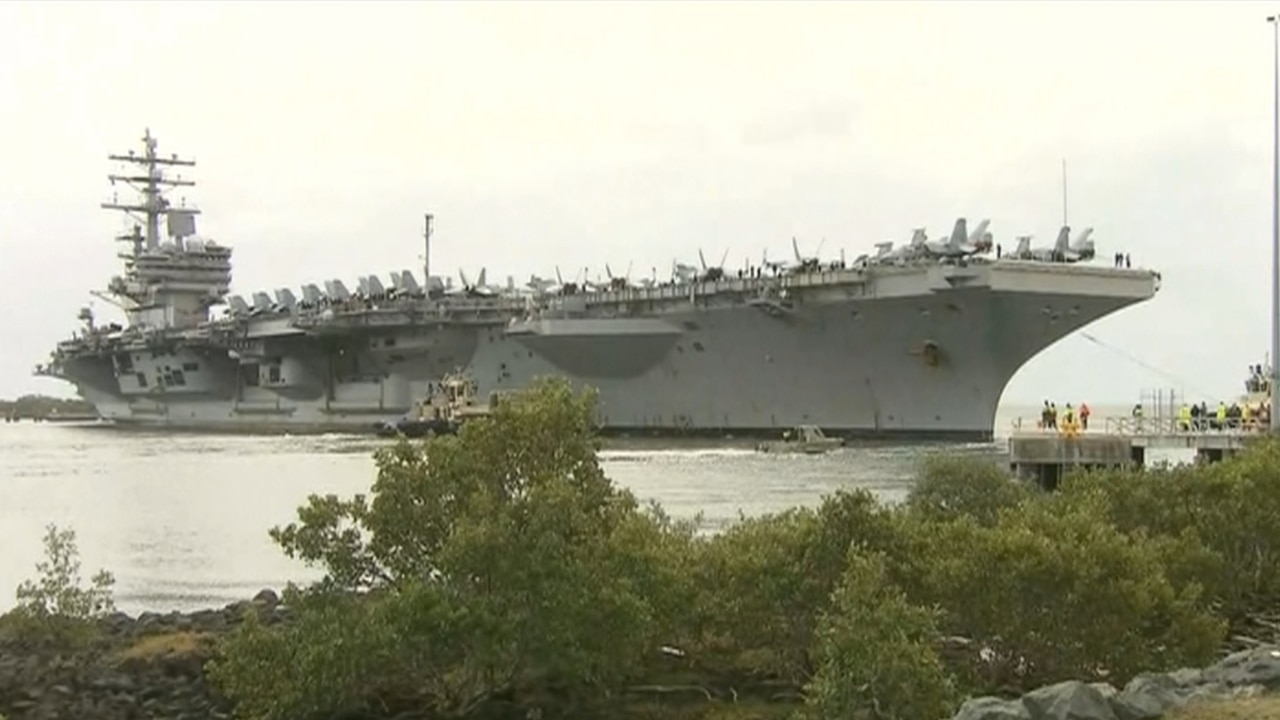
column 151, row 186
column 167, row 283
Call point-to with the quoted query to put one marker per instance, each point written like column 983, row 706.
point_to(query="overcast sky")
column 584, row 133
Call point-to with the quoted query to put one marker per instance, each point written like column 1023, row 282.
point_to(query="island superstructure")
column 915, row 342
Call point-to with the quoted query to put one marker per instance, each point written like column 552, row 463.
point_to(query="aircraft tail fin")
column 959, row 234
column 1064, row 240
column 1083, row 240
column 979, row 234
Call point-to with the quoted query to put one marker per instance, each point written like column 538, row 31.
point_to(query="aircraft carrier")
column 917, row 341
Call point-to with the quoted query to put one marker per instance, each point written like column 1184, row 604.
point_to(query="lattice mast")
column 151, row 186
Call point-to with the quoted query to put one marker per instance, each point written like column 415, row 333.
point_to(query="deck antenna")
column 1064, row 191
column 426, row 248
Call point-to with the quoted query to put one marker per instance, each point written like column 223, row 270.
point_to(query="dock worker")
column 1184, row 418
column 1221, row 416
column 1085, row 412
column 1053, row 415
column 1068, row 415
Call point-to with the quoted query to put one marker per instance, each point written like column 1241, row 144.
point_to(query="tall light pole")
column 1275, row 220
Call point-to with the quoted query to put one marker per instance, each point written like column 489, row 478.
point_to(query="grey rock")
column 1187, row 677
column 267, row 597
column 992, row 708
column 1150, row 695
column 1257, row 666
column 1107, row 690
column 1071, row 700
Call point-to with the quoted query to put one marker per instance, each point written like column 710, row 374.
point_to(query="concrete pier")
column 1045, row 456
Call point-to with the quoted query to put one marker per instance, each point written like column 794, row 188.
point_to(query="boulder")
column 1257, row 666
column 1071, row 700
column 992, row 708
column 1148, row 696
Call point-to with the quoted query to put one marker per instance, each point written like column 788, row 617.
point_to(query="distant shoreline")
column 42, row 408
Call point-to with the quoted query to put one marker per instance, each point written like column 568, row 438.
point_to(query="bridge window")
column 177, row 378
column 698, row 346
column 273, row 374
column 190, row 367
column 142, row 379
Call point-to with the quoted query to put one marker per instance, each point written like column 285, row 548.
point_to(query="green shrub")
column 1229, row 508
column 500, row 571
column 876, row 652
column 1052, row 595
column 504, row 564
column 56, row 607
column 952, row 487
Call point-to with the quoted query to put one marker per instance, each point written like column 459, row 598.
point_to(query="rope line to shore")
column 1145, row 365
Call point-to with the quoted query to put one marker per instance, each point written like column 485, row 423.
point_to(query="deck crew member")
column 1184, row 418
column 1084, row 416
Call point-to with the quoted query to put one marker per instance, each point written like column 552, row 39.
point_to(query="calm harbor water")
column 182, row 519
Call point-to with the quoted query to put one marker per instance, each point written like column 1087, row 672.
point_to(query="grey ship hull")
column 915, row 352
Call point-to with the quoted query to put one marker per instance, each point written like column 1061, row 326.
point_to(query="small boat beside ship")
column 450, row 403
column 804, row 439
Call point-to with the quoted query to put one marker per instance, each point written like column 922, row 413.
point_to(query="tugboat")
column 805, row 439
column 450, row 403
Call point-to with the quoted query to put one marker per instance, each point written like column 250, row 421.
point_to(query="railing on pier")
column 1176, row 426
column 1152, row 427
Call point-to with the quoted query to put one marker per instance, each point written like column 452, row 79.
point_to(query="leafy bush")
column 1048, row 596
column 497, row 559
column 1229, row 509
column 876, row 651
column 953, row 487
column 56, row 607
column 501, row 571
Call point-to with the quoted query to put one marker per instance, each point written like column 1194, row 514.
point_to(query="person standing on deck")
column 1084, row 416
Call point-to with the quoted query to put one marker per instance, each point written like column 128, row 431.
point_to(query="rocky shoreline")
column 145, row 667
column 152, row 667
column 1248, row 673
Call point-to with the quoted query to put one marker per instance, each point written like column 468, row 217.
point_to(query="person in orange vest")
column 1084, row 416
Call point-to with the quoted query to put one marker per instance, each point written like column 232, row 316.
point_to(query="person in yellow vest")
column 1070, row 426
column 1184, row 418
column 1246, row 416
column 1221, row 415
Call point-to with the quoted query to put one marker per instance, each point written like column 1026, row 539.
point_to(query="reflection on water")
column 182, row 519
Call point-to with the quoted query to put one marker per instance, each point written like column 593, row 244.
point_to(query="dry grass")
column 174, row 643
column 1260, row 708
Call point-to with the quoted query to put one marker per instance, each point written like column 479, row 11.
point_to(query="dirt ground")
column 1265, row 708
